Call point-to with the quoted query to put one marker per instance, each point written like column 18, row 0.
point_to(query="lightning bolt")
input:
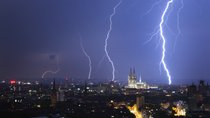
column 50, row 71
column 107, row 37
column 157, row 29
column 151, row 8
column 164, row 41
column 101, row 60
column 158, row 32
column 88, row 57
column 152, row 35
column 178, row 23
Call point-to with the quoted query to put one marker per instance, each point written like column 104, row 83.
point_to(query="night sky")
column 35, row 34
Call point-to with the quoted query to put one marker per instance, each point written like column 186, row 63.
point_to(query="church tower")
column 132, row 80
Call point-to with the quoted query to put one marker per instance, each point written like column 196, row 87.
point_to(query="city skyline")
column 33, row 31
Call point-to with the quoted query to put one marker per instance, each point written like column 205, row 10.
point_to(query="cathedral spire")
column 140, row 79
column 131, row 71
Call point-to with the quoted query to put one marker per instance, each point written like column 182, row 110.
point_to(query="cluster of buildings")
column 137, row 99
column 198, row 99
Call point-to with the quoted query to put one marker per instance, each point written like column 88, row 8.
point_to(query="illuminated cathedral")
column 132, row 80
column 133, row 83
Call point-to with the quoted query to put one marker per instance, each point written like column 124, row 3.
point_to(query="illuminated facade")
column 132, row 80
column 133, row 83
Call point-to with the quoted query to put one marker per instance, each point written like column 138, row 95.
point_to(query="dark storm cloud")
column 31, row 32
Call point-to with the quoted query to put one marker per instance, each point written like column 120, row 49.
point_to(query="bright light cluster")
column 134, row 110
column 179, row 109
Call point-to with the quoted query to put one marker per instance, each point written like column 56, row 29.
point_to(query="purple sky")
column 31, row 31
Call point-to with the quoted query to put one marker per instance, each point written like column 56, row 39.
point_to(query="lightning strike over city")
column 88, row 57
column 164, row 41
column 131, row 59
column 107, row 38
column 159, row 33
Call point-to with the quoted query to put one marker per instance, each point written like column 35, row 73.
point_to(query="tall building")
column 140, row 101
column 192, row 90
column 132, row 79
column 61, row 95
column 53, row 94
column 202, row 88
